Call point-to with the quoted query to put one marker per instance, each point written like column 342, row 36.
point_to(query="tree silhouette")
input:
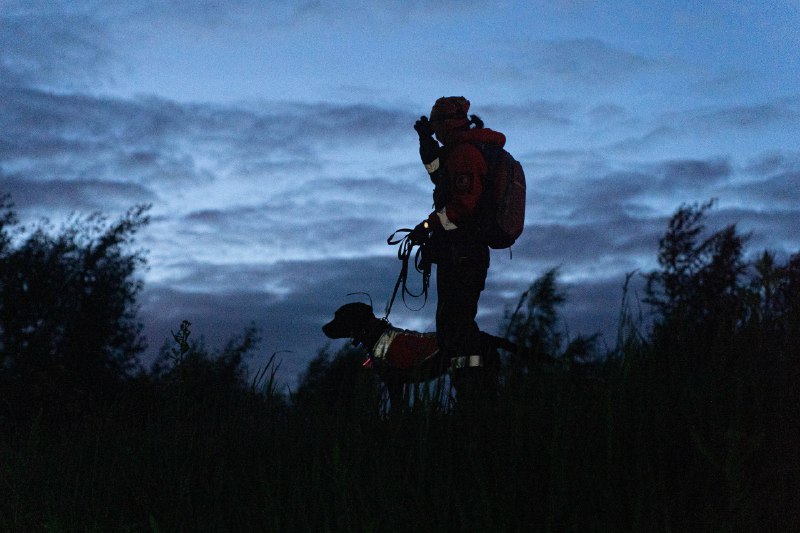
column 699, row 281
column 709, row 296
column 68, row 305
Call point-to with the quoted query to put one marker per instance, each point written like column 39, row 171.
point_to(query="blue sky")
column 275, row 141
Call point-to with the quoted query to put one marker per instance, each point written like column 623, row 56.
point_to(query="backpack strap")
column 487, row 197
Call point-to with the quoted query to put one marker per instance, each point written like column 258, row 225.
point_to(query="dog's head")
column 348, row 321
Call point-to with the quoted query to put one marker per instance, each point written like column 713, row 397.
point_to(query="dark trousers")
column 462, row 265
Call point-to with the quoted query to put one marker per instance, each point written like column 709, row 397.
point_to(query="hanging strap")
column 420, row 265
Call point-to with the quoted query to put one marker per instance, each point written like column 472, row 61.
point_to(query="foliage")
column 690, row 425
column 68, row 306
column 340, row 385
column 699, row 280
column 535, row 326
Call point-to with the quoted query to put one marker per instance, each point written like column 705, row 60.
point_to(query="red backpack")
column 502, row 209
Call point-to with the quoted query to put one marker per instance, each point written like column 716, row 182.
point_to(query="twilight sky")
column 275, row 142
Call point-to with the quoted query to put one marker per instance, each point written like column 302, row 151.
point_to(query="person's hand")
column 420, row 233
column 428, row 147
column 423, row 127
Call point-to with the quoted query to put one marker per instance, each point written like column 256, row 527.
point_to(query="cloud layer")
column 273, row 210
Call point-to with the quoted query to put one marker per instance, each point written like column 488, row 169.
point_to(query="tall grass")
column 690, row 424
column 633, row 443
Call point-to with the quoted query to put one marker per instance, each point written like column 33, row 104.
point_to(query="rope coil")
column 421, row 265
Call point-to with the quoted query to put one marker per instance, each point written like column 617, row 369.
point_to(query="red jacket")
column 461, row 166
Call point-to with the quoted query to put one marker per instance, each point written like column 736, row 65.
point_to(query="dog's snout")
column 332, row 330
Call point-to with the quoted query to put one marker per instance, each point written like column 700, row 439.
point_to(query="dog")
column 403, row 357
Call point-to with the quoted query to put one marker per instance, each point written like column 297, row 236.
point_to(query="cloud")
column 533, row 113
column 694, row 173
column 711, row 123
column 45, row 50
column 773, row 228
column 273, row 129
column 609, row 113
column 772, row 182
column 591, row 246
column 288, row 301
column 586, row 61
column 773, row 163
column 162, row 144
column 656, row 136
column 784, row 110
column 91, row 195
column 600, row 190
column 273, row 211
column 594, row 306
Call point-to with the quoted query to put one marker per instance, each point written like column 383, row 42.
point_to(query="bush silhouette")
column 68, row 324
column 338, row 385
column 688, row 424
column 712, row 302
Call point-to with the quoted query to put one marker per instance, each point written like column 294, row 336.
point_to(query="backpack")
column 501, row 216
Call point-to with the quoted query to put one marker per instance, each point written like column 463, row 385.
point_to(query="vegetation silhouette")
column 68, row 329
column 688, row 423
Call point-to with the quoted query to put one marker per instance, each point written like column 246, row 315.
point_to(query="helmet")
column 450, row 112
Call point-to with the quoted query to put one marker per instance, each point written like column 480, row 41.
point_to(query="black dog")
column 399, row 356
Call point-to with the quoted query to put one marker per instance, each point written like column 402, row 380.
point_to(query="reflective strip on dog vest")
column 384, row 342
column 405, row 349
column 466, row 362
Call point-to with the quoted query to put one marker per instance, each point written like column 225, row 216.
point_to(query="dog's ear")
column 371, row 307
column 365, row 312
column 356, row 312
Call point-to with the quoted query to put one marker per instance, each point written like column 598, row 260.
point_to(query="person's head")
column 449, row 114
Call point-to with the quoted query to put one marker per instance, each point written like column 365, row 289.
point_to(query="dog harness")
column 405, row 349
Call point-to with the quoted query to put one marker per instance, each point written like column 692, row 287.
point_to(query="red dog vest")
column 404, row 349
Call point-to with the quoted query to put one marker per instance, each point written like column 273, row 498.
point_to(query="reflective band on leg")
column 466, row 362
column 475, row 360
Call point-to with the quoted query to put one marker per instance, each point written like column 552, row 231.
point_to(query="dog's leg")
column 395, row 388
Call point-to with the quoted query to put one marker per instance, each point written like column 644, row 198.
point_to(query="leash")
column 420, row 264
